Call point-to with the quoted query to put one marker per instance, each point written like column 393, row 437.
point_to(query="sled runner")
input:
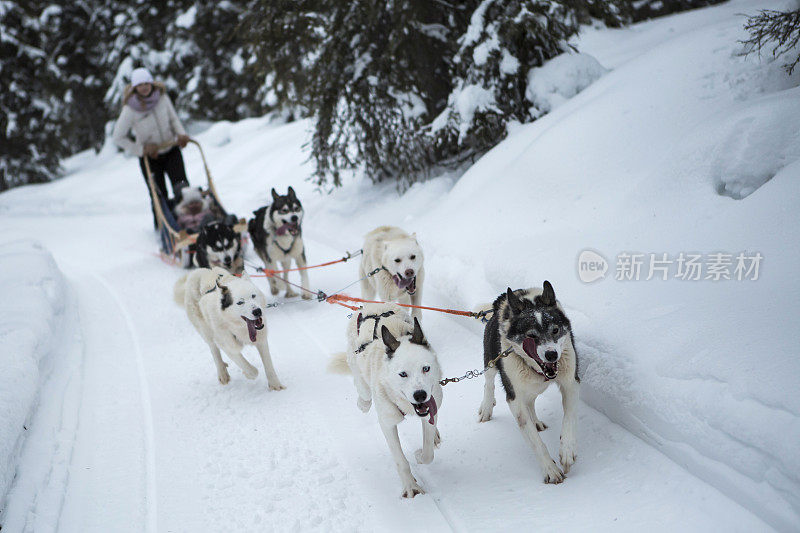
column 175, row 241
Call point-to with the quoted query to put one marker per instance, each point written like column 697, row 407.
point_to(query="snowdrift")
column 31, row 314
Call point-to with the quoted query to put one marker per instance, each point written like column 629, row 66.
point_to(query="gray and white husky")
column 532, row 324
column 398, row 255
column 393, row 365
column 278, row 238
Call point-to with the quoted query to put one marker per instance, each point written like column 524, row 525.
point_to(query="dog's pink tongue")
column 251, row 329
column 529, row 345
column 432, row 409
column 281, row 231
column 402, row 283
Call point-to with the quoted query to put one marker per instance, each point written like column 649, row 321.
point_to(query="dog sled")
column 176, row 240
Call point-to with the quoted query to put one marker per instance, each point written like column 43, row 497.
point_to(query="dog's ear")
column 291, row 193
column 417, row 337
column 227, row 297
column 548, row 296
column 388, row 339
column 513, row 302
column 275, row 194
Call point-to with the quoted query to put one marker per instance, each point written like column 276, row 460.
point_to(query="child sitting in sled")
column 195, row 209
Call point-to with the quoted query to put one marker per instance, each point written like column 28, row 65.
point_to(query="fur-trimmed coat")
column 156, row 126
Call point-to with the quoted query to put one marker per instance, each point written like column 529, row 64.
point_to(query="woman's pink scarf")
column 147, row 103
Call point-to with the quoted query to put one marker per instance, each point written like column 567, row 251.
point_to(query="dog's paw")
column 540, row 426
column 364, row 405
column 412, row 489
column 290, row 294
column 306, row 296
column 277, row 385
column 274, row 290
column 223, row 376
column 250, row 373
column 485, row 412
column 552, row 474
column 568, row 454
column 437, row 439
column 423, row 458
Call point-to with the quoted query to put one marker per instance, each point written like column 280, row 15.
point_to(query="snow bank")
column 705, row 371
column 31, row 313
column 560, row 79
column 752, row 142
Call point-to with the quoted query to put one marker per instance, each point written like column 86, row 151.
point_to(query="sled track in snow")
column 151, row 523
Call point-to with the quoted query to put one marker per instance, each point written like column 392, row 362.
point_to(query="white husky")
column 227, row 311
column 393, row 365
column 399, row 256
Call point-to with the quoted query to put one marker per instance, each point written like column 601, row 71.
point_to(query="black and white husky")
column 393, row 365
column 531, row 324
column 398, row 255
column 278, row 238
column 219, row 245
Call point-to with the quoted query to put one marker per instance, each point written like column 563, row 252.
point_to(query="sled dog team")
column 528, row 338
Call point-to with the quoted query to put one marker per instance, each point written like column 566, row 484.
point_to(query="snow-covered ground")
column 690, row 416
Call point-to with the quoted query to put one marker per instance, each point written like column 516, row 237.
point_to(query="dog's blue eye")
column 426, row 368
column 403, row 375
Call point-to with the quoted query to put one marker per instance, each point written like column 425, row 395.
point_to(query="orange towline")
column 268, row 273
column 339, row 298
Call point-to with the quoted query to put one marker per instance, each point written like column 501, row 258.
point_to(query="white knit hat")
column 141, row 75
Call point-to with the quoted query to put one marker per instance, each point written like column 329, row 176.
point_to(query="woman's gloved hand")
column 151, row 150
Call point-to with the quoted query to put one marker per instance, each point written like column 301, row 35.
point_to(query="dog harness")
column 361, row 318
column 289, row 249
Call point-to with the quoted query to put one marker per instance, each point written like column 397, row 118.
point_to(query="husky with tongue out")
column 532, row 326
column 278, row 238
column 228, row 313
column 398, row 255
column 394, row 366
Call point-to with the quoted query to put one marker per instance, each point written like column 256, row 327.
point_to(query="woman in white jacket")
column 148, row 112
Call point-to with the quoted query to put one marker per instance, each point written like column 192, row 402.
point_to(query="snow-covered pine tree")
column 283, row 38
column 210, row 58
column 69, row 34
column 64, row 65
column 504, row 40
column 381, row 72
column 30, row 141
column 777, row 31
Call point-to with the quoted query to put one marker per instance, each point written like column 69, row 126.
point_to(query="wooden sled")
column 175, row 242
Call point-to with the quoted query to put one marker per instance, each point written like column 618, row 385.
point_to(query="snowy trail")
column 243, row 458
